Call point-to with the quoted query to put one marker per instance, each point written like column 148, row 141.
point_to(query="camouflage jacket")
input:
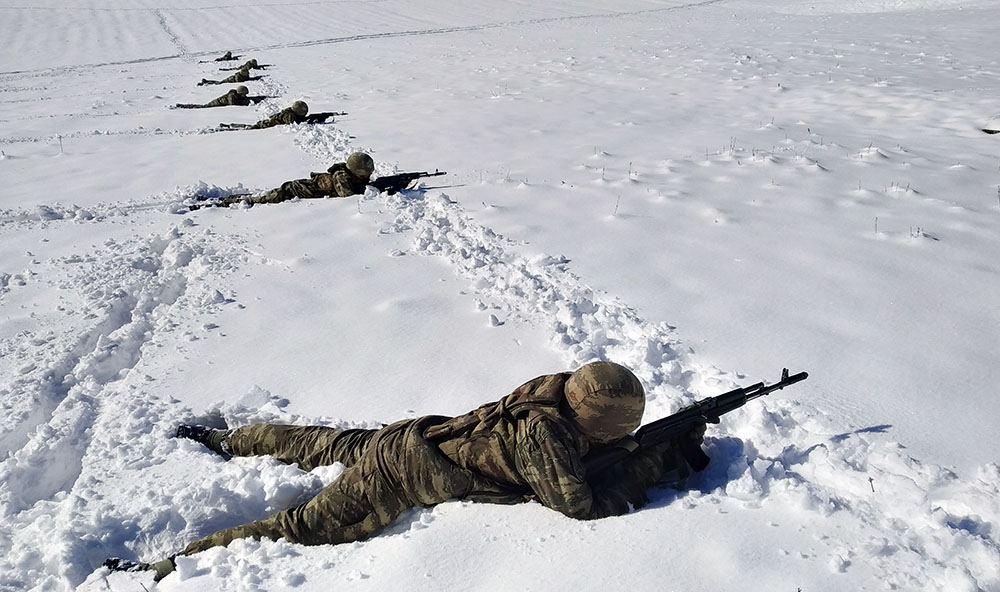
column 230, row 98
column 286, row 117
column 239, row 76
column 523, row 447
column 337, row 181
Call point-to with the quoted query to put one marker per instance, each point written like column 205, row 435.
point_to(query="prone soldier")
column 343, row 179
column 529, row 445
column 238, row 96
column 297, row 113
column 250, row 64
column 227, row 57
column 287, row 116
column 241, row 75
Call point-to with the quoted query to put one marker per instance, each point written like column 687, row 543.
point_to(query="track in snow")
column 368, row 36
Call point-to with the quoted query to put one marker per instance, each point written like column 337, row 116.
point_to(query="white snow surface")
column 705, row 192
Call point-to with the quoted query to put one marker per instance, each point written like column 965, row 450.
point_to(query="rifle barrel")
column 786, row 380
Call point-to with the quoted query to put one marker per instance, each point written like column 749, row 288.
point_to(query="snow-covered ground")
column 703, row 191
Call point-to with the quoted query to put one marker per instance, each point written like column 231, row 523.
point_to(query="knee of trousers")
column 431, row 478
column 359, row 504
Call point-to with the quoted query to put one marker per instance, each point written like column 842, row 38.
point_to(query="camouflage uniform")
column 516, row 449
column 285, row 117
column 230, row 98
column 228, row 56
column 336, row 182
column 242, row 75
column 248, row 65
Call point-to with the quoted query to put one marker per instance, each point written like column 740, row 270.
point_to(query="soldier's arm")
column 551, row 464
column 342, row 185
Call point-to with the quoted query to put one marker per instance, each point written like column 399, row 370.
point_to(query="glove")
column 689, row 447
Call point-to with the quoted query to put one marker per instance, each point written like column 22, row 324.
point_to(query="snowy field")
column 705, row 192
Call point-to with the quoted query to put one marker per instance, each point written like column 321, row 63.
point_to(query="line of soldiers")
column 529, row 446
column 240, row 96
column 340, row 180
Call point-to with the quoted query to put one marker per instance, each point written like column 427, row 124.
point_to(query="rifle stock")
column 219, row 202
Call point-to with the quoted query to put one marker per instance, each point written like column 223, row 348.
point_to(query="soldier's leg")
column 309, row 446
column 187, row 106
column 356, row 506
column 300, row 188
column 274, row 196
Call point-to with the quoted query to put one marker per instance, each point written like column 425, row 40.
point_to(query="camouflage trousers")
column 388, row 472
column 222, row 101
column 300, row 188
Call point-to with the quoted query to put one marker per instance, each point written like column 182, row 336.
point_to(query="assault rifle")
column 220, row 202
column 322, row 116
column 392, row 184
column 679, row 424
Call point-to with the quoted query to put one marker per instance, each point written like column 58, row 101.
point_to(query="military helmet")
column 242, row 90
column 360, row 164
column 606, row 401
column 300, row 108
column 253, row 62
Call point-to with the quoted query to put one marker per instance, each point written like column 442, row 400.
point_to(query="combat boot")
column 211, row 438
column 160, row 569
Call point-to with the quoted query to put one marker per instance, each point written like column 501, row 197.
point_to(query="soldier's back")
column 487, row 440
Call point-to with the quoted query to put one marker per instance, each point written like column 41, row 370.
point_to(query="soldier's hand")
column 689, row 445
column 697, row 433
